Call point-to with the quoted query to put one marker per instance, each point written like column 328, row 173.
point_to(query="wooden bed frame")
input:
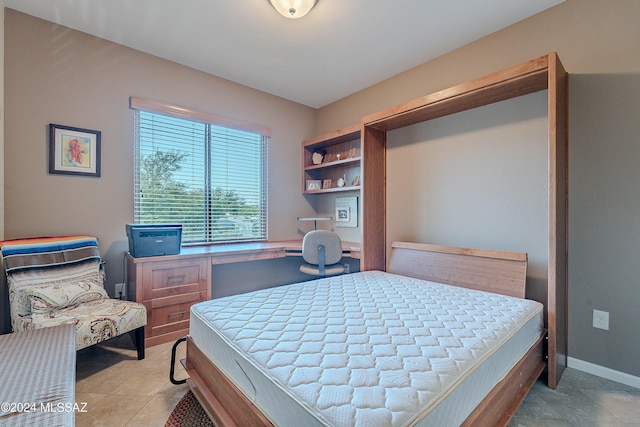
column 489, row 270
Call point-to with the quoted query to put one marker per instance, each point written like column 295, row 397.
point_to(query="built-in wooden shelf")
column 342, row 158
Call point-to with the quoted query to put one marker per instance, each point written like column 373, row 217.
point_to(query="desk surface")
column 249, row 251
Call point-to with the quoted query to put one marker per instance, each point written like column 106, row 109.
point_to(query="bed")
column 410, row 346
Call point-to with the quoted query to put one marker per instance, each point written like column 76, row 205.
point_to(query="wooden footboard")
column 227, row 406
column 503, row 400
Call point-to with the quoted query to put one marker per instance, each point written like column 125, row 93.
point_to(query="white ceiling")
column 340, row 47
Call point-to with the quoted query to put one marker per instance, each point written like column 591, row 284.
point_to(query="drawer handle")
column 178, row 313
column 180, row 277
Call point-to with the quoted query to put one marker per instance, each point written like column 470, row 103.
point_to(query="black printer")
column 154, row 239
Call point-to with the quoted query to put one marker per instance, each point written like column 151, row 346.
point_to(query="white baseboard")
column 603, row 372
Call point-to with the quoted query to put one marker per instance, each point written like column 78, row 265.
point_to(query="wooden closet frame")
column 544, row 73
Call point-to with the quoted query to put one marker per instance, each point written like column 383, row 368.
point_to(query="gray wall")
column 604, row 218
column 475, row 179
column 599, row 44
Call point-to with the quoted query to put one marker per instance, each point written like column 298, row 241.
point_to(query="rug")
column 188, row 412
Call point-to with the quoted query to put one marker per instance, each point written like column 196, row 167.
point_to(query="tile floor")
column 123, row 391
column 582, row 400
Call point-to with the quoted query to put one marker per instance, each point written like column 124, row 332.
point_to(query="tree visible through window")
column 207, row 177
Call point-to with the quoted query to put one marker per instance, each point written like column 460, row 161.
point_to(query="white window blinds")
column 208, row 177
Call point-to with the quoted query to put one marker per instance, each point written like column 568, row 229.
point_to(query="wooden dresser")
column 168, row 288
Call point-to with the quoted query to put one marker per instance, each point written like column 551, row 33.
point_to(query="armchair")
column 59, row 280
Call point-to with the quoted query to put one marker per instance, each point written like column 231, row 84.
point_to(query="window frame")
column 157, row 107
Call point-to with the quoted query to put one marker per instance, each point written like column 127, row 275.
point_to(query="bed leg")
column 173, row 363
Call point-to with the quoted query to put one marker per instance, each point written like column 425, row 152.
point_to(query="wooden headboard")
column 482, row 269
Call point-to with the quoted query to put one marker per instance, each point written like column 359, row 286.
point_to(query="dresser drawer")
column 165, row 279
column 171, row 314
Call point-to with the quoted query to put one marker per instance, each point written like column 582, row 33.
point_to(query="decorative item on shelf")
column 317, row 157
column 342, row 181
column 338, row 156
column 356, row 181
column 313, row 184
column 353, row 153
column 74, row 151
column 326, row 183
column 328, row 158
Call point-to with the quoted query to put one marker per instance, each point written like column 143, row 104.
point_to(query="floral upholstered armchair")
column 59, row 280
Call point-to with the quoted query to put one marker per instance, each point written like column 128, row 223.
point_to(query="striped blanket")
column 47, row 251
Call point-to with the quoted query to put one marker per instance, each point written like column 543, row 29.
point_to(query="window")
column 196, row 170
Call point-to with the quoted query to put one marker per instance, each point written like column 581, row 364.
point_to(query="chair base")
column 329, row 270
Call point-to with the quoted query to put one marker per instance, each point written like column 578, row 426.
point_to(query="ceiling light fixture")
column 293, row 9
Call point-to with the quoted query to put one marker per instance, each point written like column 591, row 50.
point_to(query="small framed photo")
column 313, row 184
column 346, row 212
column 74, row 151
column 326, row 183
column 343, row 214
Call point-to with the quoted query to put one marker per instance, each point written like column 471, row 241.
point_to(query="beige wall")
column 58, row 75
column 598, row 43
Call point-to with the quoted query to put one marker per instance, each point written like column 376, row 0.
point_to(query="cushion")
column 95, row 321
column 18, row 281
column 55, row 296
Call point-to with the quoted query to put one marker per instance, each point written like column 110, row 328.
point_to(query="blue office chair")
column 322, row 252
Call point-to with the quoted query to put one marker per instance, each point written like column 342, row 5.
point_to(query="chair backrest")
column 329, row 240
column 44, row 262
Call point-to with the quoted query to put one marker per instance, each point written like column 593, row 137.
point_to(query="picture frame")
column 313, row 184
column 346, row 212
column 326, row 183
column 74, row 151
column 343, row 214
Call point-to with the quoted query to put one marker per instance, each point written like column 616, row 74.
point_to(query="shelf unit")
column 342, row 156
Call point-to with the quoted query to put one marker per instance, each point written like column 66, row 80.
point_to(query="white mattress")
column 366, row 349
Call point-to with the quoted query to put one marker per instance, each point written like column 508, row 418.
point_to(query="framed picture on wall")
column 347, row 212
column 74, row 151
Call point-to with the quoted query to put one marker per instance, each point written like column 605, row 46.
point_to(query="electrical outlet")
column 120, row 290
column 601, row 319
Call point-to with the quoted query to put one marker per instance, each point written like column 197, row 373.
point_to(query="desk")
column 169, row 285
